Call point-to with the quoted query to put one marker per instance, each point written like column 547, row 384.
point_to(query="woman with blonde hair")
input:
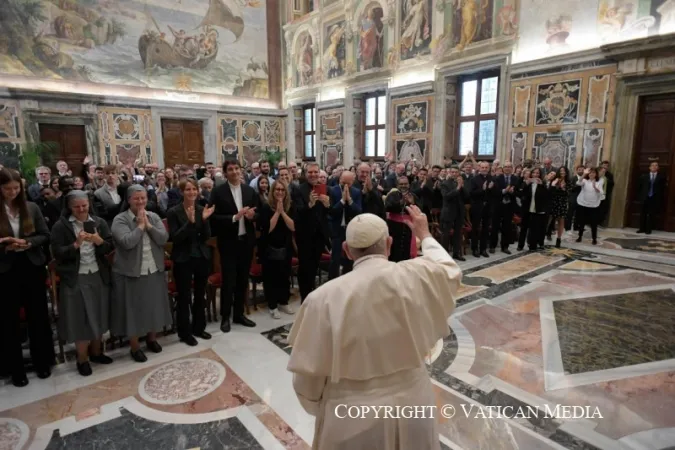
column 275, row 247
column 23, row 235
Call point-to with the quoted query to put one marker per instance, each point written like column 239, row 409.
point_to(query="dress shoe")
column 476, row 254
column 557, row 243
column 43, row 374
column 225, row 326
column 492, row 250
column 154, row 346
column 458, row 258
column 520, row 249
column 84, row 369
column 101, row 359
column 578, row 239
column 484, row 254
column 506, row 250
column 203, row 335
column 244, row 321
column 189, row 340
column 648, row 232
column 139, row 356
column 640, row 231
column 20, row 380
column 595, row 242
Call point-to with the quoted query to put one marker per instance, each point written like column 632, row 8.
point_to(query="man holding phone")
column 311, row 227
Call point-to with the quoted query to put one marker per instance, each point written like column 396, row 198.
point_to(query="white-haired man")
column 362, row 340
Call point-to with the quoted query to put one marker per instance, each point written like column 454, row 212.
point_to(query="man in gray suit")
column 108, row 194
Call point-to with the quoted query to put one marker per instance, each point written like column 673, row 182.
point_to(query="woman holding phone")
column 23, row 235
column 80, row 243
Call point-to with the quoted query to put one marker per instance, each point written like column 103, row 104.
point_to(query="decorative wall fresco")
column 567, row 116
column 411, row 118
column 125, row 135
column 330, row 135
column 411, row 128
column 473, row 22
column 11, row 133
column 244, row 138
column 304, row 66
column 334, row 50
column 415, row 32
column 371, row 41
column 181, row 45
column 559, row 147
column 558, row 102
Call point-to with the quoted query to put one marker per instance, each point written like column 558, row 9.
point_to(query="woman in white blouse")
column 588, row 203
column 80, row 243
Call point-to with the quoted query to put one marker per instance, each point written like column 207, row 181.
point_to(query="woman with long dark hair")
column 23, row 235
column 535, row 204
column 588, row 202
column 263, row 188
column 559, row 188
column 276, row 247
column 80, row 245
column 189, row 230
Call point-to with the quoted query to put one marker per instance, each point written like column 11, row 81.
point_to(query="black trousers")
column 588, row 216
column 309, row 256
column 532, row 229
column 235, row 264
column 337, row 260
column 481, row 216
column 24, row 286
column 648, row 214
column 570, row 219
column 502, row 222
column 185, row 273
column 455, row 226
column 276, row 282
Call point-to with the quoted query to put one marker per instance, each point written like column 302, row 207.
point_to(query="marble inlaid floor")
column 586, row 326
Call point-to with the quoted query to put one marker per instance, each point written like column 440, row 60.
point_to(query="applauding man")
column 345, row 205
column 232, row 222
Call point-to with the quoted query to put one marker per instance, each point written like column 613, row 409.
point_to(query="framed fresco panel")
column 411, row 117
column 558, row 103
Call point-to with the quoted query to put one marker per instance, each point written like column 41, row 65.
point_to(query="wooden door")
column 183, row 142
column 655, row 142
column 71, row 145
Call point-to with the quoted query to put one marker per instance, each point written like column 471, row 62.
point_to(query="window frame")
column 306, row 133
column 477, row 118
column 376, row 95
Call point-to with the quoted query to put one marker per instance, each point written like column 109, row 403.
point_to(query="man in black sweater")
column 481, row 192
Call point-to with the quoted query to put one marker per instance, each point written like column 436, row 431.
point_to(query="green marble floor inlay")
column 607, row 332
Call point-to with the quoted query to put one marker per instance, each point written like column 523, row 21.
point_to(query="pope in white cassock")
column 361, row 340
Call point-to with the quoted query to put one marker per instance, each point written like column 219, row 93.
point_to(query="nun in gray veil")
column 80, row 244
column 140, row 304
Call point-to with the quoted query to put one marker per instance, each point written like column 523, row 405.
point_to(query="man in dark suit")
column 345, row 201
column 392, row 179
column 651, row 189
column 453, row 212
column 504, row 208
column 371, row 197
column 480, row 191
column 311, row 227
column 232, row 221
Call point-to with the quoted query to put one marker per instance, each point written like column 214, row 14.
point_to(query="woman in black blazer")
column 23, row 234
column 535, row 203
column 80, row 245
column 189, row 230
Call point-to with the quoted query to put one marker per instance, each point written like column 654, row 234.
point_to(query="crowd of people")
column 106, row 231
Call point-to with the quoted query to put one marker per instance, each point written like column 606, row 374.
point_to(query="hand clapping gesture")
column 250, row 213
column 491, row 184
column 15, row 244
column 313, row 197
column 208, row 211
column 241, row 213
column 325, row 200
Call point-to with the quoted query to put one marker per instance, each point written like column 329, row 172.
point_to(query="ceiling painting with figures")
column 178, row 45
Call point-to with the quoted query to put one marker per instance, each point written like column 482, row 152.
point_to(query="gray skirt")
column 140, row 305
column 83, row 308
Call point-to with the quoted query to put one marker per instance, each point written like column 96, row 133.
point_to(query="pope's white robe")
column 361, row 340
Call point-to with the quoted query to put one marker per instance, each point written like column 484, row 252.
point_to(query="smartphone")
column 319, row 189
column 89, row 227
column 139, row 178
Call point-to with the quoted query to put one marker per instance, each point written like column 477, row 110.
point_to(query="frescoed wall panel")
column 412, row 128
column 334, row 55
column 244, row 138
column 125, row 135
column 569, row 118
column 371, row 43
column 11, row 133
column 415, row 28
column 330, row 136
column 177, row 46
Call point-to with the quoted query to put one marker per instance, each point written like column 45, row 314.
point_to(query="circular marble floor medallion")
column 182, row 381
column 13, row 434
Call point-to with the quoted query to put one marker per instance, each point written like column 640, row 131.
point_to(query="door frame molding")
column 629, row 92
column 209, row 129
column 33, row 119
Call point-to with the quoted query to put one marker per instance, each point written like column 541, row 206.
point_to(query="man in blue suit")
column 345, row 201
